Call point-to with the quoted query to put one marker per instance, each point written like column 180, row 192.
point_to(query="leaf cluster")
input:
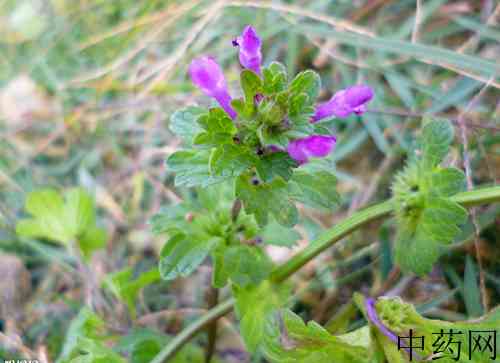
column 427, row 218
column 210, row 223
column 250, row 151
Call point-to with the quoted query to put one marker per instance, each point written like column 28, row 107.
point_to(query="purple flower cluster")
column 207, row 75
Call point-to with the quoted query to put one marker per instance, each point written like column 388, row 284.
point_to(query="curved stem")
column 330, row 237
column 185, row 336
column 326, row 240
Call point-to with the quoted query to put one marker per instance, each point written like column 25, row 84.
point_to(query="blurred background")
column 86, row 91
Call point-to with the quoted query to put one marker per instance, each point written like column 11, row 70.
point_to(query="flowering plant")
column 249, row 158
column 254, row 156
column 263, row 141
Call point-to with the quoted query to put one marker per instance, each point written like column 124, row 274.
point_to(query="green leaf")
column 260, row 199
column 270, row 113
column 423, row 233
column 310, row 343
column 275, row 164
column 182, row 255
column 275, row 234
column 427, row 218
column 231, row 160
column 256, row 307
column 251, row 85
column 141, row 344
column 184, row 122
column 85, row 325
column 436, row 139
column 472, row 295
column 123, row 285
column 191, row 168
column 220, row 274
column 275, row 78
column 447, row 182
column 314, row 184
column 218, row 128
column 246, row 265
column 67, row 220
column 307, row 82
column 91, row 240
column 92, row 351
column 171, row 219
column 300, row 110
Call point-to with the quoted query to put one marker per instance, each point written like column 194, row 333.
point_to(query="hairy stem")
column 324, row 241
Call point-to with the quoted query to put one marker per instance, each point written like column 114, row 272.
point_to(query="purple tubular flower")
column 317, row 146
column 207, row 75
column 345, row 102
column 250, row 54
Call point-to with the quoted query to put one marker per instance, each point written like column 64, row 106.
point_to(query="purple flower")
column 317, row 146
column 371, row 312
column 250, row 54
column 207, row 75
column 345, row 102
column 375, row 320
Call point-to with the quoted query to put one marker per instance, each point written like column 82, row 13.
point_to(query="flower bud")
column 250, row 44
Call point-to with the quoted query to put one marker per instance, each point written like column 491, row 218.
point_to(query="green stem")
column 326, row 240
column 178, row 342
column 330, row 237
column 478, row 196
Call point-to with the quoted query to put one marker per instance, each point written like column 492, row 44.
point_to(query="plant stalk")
column 213, row 300
column 325, row 241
